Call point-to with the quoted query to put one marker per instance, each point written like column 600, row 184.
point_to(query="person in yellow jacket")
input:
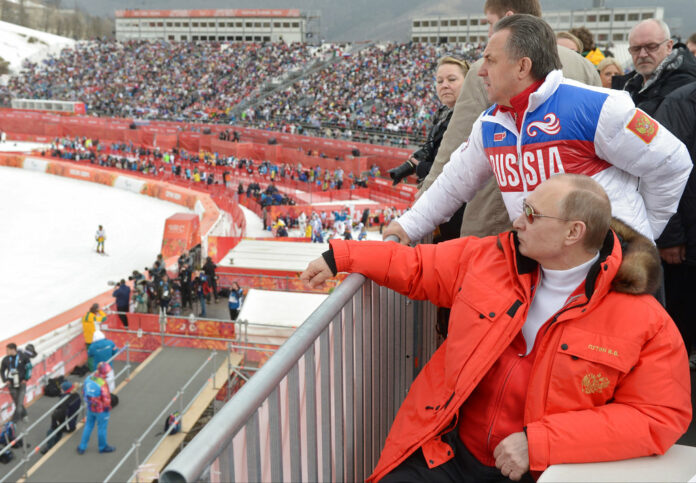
column 89, row 322
column 589, row 49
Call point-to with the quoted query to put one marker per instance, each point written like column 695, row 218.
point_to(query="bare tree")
column 23, row 18
column 8, row 12
column 48, row 14
column 75, row 21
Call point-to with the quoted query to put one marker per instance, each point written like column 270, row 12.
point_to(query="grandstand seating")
column 379, row 94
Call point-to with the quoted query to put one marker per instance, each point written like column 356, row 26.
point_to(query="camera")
column 402, row 171
column 14, row 377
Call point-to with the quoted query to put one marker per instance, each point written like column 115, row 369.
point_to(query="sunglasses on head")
column 530, row 214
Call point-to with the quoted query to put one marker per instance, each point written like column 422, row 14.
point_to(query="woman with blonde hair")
column 608, row 68
column 449, row 79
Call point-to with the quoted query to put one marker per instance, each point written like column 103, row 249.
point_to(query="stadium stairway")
column 142, row 399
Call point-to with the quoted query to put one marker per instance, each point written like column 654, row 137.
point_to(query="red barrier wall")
column 43, row 127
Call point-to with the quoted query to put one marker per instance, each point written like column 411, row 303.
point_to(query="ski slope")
column 47, row 248
column 15, row 45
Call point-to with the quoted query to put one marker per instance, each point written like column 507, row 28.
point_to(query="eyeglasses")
column 529, row 212
column 649, row 48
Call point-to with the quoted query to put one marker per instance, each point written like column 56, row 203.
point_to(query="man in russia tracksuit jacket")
column 541, row 125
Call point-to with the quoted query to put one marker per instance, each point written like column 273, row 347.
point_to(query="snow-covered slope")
column 15, row 45
column 47, row 248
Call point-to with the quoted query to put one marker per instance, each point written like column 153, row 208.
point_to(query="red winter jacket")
column 610, row 379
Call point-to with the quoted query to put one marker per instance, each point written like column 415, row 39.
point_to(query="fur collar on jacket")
column 639, row 272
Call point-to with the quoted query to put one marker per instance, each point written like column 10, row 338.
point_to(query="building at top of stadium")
column 239, row 25
column 609, row 25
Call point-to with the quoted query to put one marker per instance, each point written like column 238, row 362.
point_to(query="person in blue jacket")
column 101, row 350
column 235, row 300
column 98, row 401
column 122, row 295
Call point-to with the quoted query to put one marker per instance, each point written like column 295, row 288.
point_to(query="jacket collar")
column 628, row 263
column 535, row 99
column 680, row 59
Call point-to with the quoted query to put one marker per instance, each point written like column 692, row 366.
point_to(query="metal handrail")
column 188, row 317
column 213, row 438
column 134, row 475
column 179, row 394
column 80, row 412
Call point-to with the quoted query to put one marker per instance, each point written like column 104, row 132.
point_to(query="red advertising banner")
column 219, row 246
column 181, row 233
column 220, row 12
column 166, row 135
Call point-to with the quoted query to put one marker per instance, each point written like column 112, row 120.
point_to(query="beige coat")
column 486, row 214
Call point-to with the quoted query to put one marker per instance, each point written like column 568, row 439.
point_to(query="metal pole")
column 137, row 461
column 163, row 323
column 229, row 372
column 25, row 459
column 128, row 361
column 212, row 377
column 214, row 369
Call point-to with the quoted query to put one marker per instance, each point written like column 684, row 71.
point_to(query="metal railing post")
column 163, row 324
column 128, row 361
column 212, row 378
column 25, row 459
column 229, row 372
column 137, row 461
column 213, row 369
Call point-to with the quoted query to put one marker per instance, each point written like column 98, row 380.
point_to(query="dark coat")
column 678, row 114
column 426, row 156
column 122, row 295
column 68, row 406
column 427, row 152
column 8, row 363
column 678, row 69
column 209, row 268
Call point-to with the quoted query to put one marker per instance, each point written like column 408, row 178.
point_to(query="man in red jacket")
column 557, row 352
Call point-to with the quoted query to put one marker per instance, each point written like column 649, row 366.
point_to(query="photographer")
column 14, row 372
column 449, row 79
column 122, row 296
column 141, row 297
column 209, row 269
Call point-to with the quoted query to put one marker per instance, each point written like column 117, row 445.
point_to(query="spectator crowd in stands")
column 158, row 80
column 200, row 167
column 374, row 92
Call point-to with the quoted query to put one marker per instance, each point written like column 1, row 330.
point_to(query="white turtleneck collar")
column 552, row 292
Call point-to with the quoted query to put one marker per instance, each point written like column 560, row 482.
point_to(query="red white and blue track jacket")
column 568, row 127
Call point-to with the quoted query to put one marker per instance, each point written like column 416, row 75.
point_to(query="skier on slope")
column 100, row 236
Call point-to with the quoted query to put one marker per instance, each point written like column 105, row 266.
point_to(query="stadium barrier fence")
column 29, row 453
column 321, row 407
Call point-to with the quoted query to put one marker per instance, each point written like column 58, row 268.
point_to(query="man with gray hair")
column 541, row 125
column 657, row 85
column 660, row 65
